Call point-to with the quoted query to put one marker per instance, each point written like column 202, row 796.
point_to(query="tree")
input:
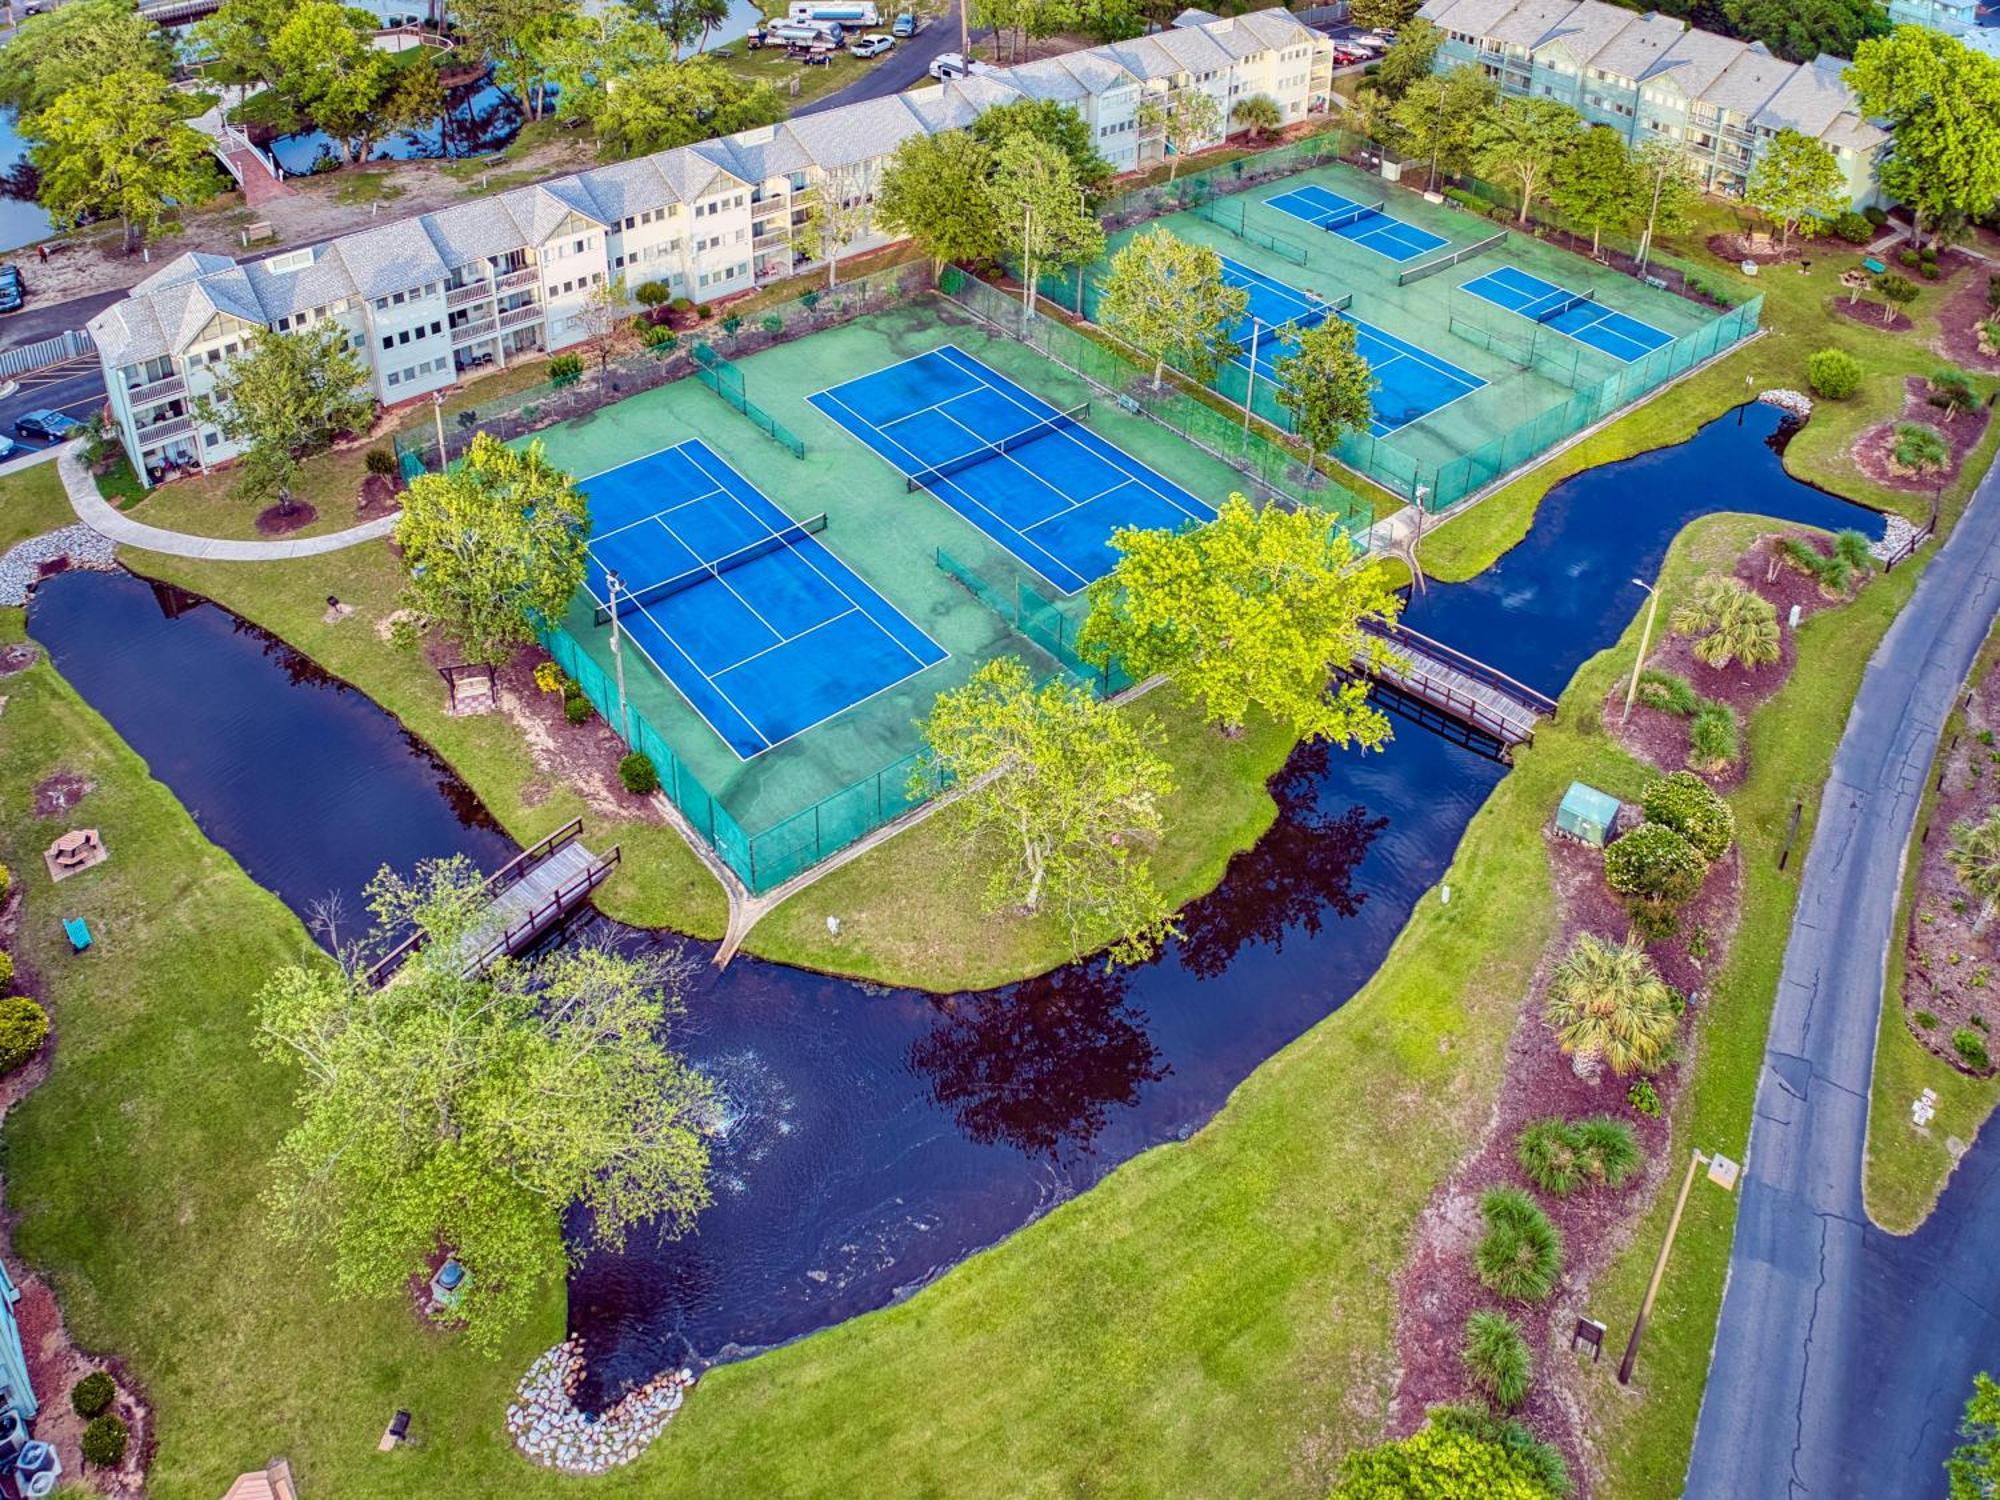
column 1927, row 85
column 1795, row 179
column 1023, row 19
column 514, row 36
column 839, row 215
column 1411, row 58
column 682, row 22
column 1327, row 386
column 1895, row 291
column 1437, row 115
column 1064, row 793
column 934, row 191
column 663, row 105
column 1167, row 298
column 1974, row 857
column 1733, row 623
column 1694, row 810
column 1383, row 15
column 1259, row 114
column 1658, row 872
column 286, row 397
column 1259, row 609
column 327, row 70
column 82, row 42
column 238, row 38
column 608, row 324
column 1526, row 142
column 1801, row 30
column 1188, row 120
column 1040, row 213
column 1599, row 185
column 1054, row 124
column 1833, row 373
column 1668, row 189
column 1371, row 114
column 1447, row 1462
column 494, row 547
column 121, row 148
column 470, row 1112
column 1973, row 1470
column 1607, row 1002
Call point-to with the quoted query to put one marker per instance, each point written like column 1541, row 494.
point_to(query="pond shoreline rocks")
column 547, row 1425
column 1798, row 403
column 21, row 568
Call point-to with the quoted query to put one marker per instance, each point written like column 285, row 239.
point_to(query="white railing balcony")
column 160, row 432
column 526, row 276
column 519, row 317
column 474, row 328
column 763, row 208
column 472, row 291
column 156, row 391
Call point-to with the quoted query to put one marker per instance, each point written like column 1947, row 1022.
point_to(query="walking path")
column 1844, row 1353
column 103, row 517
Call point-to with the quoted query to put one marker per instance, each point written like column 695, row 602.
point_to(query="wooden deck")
column 1463, row 688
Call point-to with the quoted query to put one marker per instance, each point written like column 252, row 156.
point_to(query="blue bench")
column 78, row 932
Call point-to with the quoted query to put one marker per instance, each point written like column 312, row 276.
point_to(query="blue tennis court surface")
column 758, row 626
column 1031, row 477
column 1363, row 223
column 1574, row 313
column 1411, row 382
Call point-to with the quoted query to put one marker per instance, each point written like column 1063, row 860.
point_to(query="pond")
column 873, row 1138
column 22, row 220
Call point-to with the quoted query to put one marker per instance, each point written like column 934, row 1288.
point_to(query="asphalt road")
column 1844, row 1354
column 904, row 68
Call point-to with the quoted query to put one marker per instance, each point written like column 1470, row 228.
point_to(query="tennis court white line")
column 779, row 645
column 1470, row 391
column 661, row 672
column 598, row 536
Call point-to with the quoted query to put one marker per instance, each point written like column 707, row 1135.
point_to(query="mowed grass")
column 1907, row 1168
column 32, row 501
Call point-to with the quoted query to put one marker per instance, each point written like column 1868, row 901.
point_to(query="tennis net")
column 1354, row 215
column 1561, row 306
column 1062, row 421
column 789, row 536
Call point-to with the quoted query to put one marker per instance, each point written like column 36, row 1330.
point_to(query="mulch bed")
column 1660, row 739
column 17, row 656
column 1952, row 968
column 1437, row 1289
column 60, row 792
column 1958, row 323
column 377, row 497
column 1872, row 451
column 1869, row 314
column 280, row 519
column 1759, row 248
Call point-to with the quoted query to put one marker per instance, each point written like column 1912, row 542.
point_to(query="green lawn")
column 32, row 501
column 1906, row 1170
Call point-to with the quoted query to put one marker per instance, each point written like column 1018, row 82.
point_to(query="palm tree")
column 1259, row 114
column 1740, row 625
column 1606, row 1000
column 1974, row 857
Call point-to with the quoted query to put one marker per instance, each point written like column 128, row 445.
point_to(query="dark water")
column 873, row 1138
column 22, row 220
column 479, row 118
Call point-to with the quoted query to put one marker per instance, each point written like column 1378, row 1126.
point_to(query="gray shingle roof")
column 1532, row 22
column 1747, row 84
column 1635, row 51
column 1695, row 61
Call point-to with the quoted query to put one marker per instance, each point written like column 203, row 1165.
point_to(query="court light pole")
column 1723, row 1173
column 437, row 412
column 1250, row 395
column 613, row 584
column 1645, row 639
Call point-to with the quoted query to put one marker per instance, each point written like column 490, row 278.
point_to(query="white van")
column 958, row 65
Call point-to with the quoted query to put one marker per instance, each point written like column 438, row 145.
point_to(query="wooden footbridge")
column 530, row 896
column 1436, row 684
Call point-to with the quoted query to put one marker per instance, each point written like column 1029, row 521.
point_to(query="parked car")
column 50, row 425
column 906, row 26
column 8, row 448
column 872, row 45
column 13, row 289
column 954, row 65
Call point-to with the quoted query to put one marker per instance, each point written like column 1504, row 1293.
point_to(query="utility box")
column 1586, row 814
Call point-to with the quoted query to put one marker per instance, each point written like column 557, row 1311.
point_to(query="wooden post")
column 1695, row 1159
column 1645, row 639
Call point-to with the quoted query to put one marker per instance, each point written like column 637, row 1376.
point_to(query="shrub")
column 1908, row 257
column 1606, row 1000
column 1520, row 1255
column 732, row 323
column 1542, row 1462
column 6, row 881
column 1655, row 863
column 549, row 678
column 1925, row 1019
column 24, row 1026
column 1732, row 622
column 1713, row 737
column 104, row 1442
column 1561, row 1156
column 566, row 369
column 1689, row 806
column 1928, row 269
column 680, row 305
column 652, row 293
column 1461, row 1451
column 1669, row 692
column 6, row 969
column 1833, row 373
column 576, row 708
column 661, row 339
column 1879, row 217
column 1920, row 448
column 380, row 461
column 637, row 772
column 1497, row 1358
column 1643, row 1097
column 772, row 323
column 1971, row 1049
column 1852, row 227
column 92, row 1396
column 1951, row 391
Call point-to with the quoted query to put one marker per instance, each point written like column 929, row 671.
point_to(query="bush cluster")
column 1520, row 1255
column 6, row 969
column 1658, row 872
column 1835, row 570
column 1920, row 448
column 1496, row 1357
column 1833, row 373
column 1689, row 806
column 104, row 1441
column 1714, row 738
column 1562, row 1156
column 1852, row 227
column 380, row 461
column 1971, row 1049
column 638, row 774
column 1669, row 692
column 24, row 1026
column 565, row 369
column 92, row 1396
column 1460, row 1451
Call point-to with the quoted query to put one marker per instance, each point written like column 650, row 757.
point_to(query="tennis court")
column 1027, row 474
column 1578, row 314
column 1411, row 382
column 1364, row 223
column 744, row 611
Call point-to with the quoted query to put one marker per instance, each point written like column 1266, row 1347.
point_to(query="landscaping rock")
column 1798, row 403
column 22, row 565
column 548, row 1427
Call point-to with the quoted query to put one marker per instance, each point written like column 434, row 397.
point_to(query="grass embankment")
column 1796, row 322
column 32, row 501
column 1906, row 1169
column 1211, row 1318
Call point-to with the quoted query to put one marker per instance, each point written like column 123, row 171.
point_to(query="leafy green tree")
column 1371, row 114
column 1598, row 185
column 286, row 397
column 514, row 35
column 82, row 42
column 327, row 70
column 1973, row 1470
column 1259, row 609
column 1668, row 192
column 1795, row 179
column 1063, row 793
column 934, row 191
column 1801, row 30
column 1021, row 19
column 1167, row 298
column 682, row 23
column 1054, row 124
column 1040, row 210
column 494, row 547
column 663, row 105
column 1526, row 142
column 839, row 214
column 1446, row 1462
column 237, row 38
column 1927, row 86
column 1326, row 385
column 1734, row 623
column 1437, row 115
column 1410, row 58
column 472, row 1111
column 1259, row 114
column 1383, row 15
column 1974, row 857
column 1187, row 121
column 121, row 148
column 1833, row 373
column 1607, row 1002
